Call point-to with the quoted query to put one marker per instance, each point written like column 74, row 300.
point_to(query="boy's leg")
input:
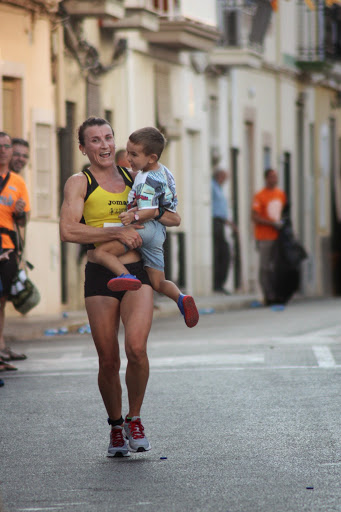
column 161, row 285
column 185, row 303
column 107, row 254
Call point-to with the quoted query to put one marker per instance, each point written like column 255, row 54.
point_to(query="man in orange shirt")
column 14, row 208
column 267, row 209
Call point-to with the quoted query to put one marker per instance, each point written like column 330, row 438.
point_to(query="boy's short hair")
column 152, row 140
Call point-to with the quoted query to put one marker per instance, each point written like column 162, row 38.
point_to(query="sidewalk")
column 34, row 326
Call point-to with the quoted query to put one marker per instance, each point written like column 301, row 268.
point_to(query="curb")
column 44, row 327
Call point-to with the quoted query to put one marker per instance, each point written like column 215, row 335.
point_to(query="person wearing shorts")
column 14, row 211
column 94, row 199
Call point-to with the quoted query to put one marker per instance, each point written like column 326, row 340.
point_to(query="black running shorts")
column 8, row 269
column 97, row 277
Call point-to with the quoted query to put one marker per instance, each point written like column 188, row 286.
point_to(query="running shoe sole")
column 190, row 311
column 140, row 449
column 121, row 284
column 118, row 454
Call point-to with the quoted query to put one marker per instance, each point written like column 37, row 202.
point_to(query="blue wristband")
column 161, row 212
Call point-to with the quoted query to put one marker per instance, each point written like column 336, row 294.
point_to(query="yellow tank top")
column 101, row 206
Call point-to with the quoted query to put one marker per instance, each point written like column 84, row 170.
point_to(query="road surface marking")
column 324, row 357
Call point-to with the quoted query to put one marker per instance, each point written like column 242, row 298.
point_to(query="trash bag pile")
column 288, row 254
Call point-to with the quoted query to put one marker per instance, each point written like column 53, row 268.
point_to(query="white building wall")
column 287, row 26
column 206, row 13
column 194, row 191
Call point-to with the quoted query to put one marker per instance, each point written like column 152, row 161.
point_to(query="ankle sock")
column 114, row 423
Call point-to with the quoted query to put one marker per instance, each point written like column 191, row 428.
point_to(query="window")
column 163, row 97
column 266, row 158
column 169, row 7
column 12, row 106
column 43, row 170
column 108, row 115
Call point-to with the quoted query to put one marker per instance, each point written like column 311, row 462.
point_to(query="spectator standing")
column 20, row 157
column 221, row 247
column 267, row 208
column 14, row 209
column 121, row 158
column 21, row 154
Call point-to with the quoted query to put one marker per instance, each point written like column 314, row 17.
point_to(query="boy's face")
column 138, row 160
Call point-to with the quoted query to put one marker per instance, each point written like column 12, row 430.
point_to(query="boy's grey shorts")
column 153, row 236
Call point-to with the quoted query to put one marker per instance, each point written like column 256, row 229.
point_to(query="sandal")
column 6, row 366
column 8, row 354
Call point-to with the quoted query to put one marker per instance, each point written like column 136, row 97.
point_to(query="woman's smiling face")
column 99, row 145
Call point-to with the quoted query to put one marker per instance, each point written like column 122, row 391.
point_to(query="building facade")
column 243, row 85
column 31, row 77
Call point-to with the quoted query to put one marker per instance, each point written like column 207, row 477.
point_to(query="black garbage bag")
column 287, row 257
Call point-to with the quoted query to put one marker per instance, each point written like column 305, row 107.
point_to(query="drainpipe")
column 130, row 81
column 234, row 108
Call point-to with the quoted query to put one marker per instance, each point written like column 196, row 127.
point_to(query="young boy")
column 153, row 189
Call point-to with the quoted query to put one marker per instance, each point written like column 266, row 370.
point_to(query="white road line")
column 324, row 356
column 79, row 373
column 204, row 360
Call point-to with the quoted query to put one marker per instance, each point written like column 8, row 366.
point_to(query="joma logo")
column 118, row 203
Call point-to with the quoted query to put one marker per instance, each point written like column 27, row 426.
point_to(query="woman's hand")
column 130, row 237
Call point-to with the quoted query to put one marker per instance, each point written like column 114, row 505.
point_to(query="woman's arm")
column 72, row 230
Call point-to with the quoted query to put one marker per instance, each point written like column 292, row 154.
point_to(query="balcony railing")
column 319, row 37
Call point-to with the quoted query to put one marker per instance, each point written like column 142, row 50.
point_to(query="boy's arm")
column 135, row 215
column 168, row 219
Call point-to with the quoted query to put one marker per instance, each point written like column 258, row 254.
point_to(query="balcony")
column 135, row 17
column 238, row 45
column 233, row 56
column 95, row 8
column 47, row 6
column 319, row 49
column 183, row 34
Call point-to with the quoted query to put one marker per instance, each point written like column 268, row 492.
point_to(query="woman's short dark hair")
column 91, row 121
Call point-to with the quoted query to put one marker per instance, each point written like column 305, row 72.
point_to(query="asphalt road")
column 245, row 407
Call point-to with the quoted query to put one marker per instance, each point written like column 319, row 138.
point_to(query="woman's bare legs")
column 104, row 319
column 104, row 316
column 137, row 316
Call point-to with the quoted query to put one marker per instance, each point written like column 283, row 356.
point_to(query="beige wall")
column 25, row 54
